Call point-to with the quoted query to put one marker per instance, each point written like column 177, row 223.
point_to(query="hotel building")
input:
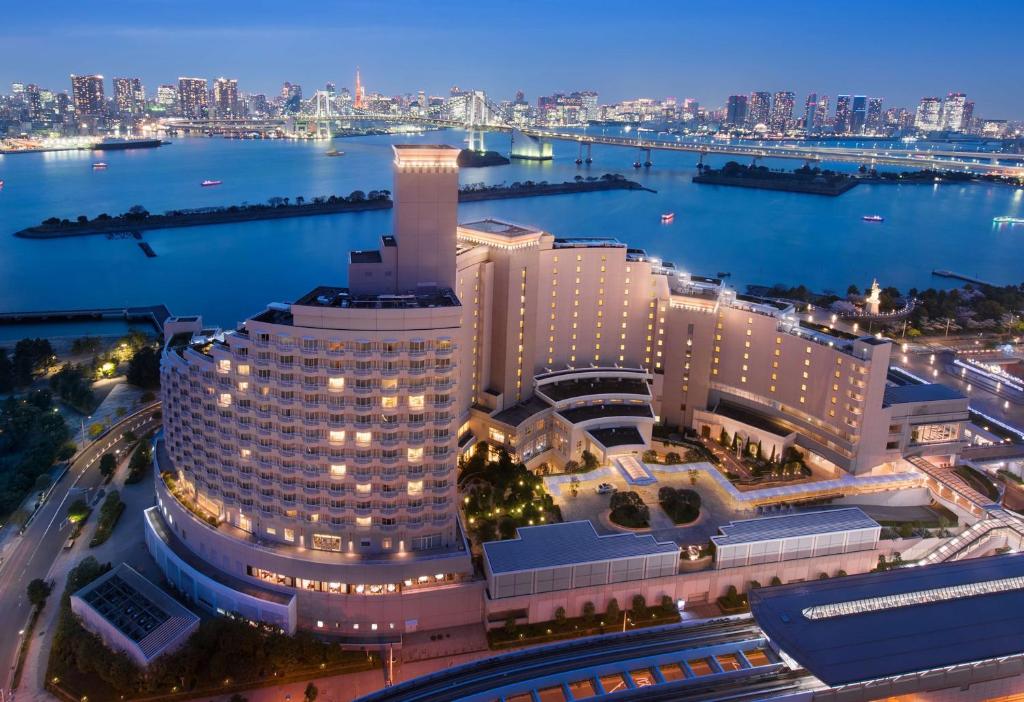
column 310, row 456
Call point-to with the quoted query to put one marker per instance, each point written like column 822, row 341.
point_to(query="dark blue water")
column 229, row 272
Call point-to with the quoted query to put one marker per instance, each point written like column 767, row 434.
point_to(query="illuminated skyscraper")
column 759, row 109
column 225, row 98
column 129, row 96
column 874, row 119
column 842, row 122
column 167, row 97
column 953, row 112
column 87, row 94
column 821, row 118
column 192, row 98
column 929, row 114
column 782, row 111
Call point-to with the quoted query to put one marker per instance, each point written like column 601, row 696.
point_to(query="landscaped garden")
column 588, row 623
column 681, row 505
column 978, row 481
column 501, row 496
column 629, row 510
column 764, row 466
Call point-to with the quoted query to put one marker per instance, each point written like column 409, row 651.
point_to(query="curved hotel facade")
column 309, row 457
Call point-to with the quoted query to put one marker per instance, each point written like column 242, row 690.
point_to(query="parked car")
column 605, row 489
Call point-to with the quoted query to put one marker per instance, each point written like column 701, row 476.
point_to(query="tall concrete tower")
column 358, row 104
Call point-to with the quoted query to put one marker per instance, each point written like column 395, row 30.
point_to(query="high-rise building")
column 858, row 114
column 87, row 95
column 167, row 97
column 759, row 109
column 953, row 113
column 782, row 111
column 811, row 113
column 736, row 111
column 929, row 114
column 291, row 97
column 129, row 97
column 968, row 121
column 873, row 125
column 225, row 98
column 821, row 119
column 841, row 125
column 588, row 101
column 33, row 101
column 193, row 99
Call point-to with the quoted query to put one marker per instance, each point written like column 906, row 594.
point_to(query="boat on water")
column 209, row 183
column 99, row 166
column 335, row 152
column 1008, row 220
column 873, row 218
column 668, row 217
column 116, row 144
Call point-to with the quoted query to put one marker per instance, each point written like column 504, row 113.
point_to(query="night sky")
column 896, row 50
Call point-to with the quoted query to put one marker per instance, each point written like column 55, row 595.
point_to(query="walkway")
column 957, row 490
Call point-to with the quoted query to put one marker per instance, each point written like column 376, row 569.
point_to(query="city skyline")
column 182, row 46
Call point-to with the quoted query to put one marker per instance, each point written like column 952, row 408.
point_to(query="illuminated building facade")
column 193, row 100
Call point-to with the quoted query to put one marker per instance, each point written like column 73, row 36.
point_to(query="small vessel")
column 873, row 218
column 209, row 183
column 998, row 220
column 335, row 152
column 668, row 217
column 1, row 185
column 99, row 166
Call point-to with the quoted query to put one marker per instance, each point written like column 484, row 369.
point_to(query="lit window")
column 338, row 470
column 363, row 438
column 415, row 401
column 337, row 436
column 415, row 455
column 336, row 383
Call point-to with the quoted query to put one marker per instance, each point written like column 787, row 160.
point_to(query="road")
column 936, row 365
column 534, row 664
column 33, row 553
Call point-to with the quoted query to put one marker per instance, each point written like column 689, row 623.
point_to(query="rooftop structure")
column 133, row 615
column 881, row 625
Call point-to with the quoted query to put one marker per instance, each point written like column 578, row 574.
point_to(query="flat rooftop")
column 568, row 389
column 575, row 415
column 519, row 413
column 752, row 418
column 495, row 226
column 327, row 296
column 617, row 436
column 878, row 625
column 566, row 544
column 588, row 243
column 138, row 609
column 928, row 392
column 793, row 525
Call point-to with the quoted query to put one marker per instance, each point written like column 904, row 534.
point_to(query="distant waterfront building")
column 782, row 111
column 87, row 95
column 822, row 118
column 33, row 101
column 359, row 96
column 874, row 117
column 291, row 97
column 736, row 111
column 225, row 98
column 929, row 114
column 841, row 125
column 193, row 98
column 759, row 109
column 953, row 108
column 129, row 97
column 858, row 114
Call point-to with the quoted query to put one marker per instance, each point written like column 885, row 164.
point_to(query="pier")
column 154, row 315
column 942, row 273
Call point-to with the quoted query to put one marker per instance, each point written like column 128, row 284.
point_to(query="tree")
column 672, row 458
column 589, row 611
column 723, row 438
column 38, row 591
column 590, row 461
column 667, row 605
column 311, row 693
column 776, row 580
column 144, row 368
column 572, row 467
column 612, row 611
column 650, row 456
column 78, row 510
column 560, row 615
column 108, row 464
column 639, row 607
column 510, row 625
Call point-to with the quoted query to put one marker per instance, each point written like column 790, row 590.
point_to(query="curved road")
column 34, row 551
